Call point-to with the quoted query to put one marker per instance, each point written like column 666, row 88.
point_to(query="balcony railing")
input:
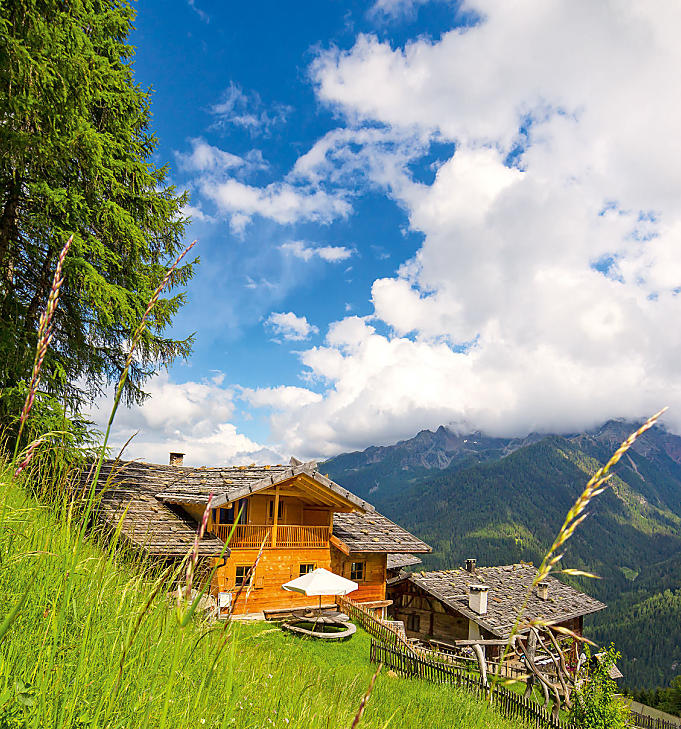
column 251, row 536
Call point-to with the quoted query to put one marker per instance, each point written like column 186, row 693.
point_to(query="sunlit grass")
column 60, row 661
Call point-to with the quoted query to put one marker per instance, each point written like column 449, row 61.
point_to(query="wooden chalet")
column 301, row 519
column 482, row 603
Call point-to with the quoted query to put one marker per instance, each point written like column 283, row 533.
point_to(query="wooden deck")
column 283, row 536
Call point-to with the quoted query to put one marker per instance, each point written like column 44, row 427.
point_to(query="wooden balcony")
column 251, row 536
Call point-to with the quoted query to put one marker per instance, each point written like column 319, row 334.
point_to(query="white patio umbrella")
column 321, row 582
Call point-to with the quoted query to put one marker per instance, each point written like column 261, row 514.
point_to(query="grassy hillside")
column 502, row 509
column 97, row 642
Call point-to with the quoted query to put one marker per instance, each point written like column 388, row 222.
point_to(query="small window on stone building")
column 413, row 623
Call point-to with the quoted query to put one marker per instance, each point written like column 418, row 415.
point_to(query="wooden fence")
column 508, row 703
column 388, row 632
column 507, row 669
column 383, row 630
column 252, row 536
column 653, row 722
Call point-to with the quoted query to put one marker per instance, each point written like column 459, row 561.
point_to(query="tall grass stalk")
column 362, row 704
column 45, row 333
column 575, row 516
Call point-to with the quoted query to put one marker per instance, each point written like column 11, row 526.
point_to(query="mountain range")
column 503, row 500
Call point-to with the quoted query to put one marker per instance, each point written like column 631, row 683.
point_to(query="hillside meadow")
column 97, row 641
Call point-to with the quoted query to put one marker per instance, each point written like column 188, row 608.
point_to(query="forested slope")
column 503, row 501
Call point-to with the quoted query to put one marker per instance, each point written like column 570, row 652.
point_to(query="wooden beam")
column 276, row 517
column 282, row 492
column 333, row 539
column 304, row 491
column 480, row 642
column 329, row 496
column 376, row 604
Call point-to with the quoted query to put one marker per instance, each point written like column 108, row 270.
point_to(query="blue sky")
column 200, row 55
column 403, row 209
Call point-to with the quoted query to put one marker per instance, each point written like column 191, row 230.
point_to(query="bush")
column 595, row 703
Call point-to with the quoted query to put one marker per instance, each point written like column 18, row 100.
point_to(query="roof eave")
column 391, row 550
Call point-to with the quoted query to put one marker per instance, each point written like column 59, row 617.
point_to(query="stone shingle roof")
column 508, row 586
column 128, row 493
column 373, row 532
column 395, row 561
column 149, row 497
column 186, row 485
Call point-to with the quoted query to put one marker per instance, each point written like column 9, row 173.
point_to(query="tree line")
column 76, row 160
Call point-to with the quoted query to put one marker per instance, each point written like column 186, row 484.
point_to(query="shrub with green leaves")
column 595, row 703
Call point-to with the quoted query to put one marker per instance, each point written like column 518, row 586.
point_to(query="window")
column 413, row 623
column 305, row 568
column 227, row 514
column 357, row 570
column 280, row 509
column 220, row 516
column 241, row 575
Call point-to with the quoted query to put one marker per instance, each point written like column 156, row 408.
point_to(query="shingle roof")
column 186, row 485
column 395, row 561
column 147, row 523
column 373, row 532
column 154, row 522
column 508, row 587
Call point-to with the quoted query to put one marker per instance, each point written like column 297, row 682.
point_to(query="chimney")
column 176, row 459
column 543, row 590
column 470, row 566
column 477, row 598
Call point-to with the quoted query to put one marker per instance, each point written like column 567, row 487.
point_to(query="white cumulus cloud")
column 205, row 157
column 278, row 201
column 280, row 398
column 331, row 254
column 189, row 417
column 289, row 326
column 545, row 294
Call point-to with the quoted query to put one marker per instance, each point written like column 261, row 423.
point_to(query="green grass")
column 92, row 647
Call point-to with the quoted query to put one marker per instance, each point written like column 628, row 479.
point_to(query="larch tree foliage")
column 75, row 148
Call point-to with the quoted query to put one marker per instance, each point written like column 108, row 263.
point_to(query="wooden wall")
column 373, row 586
column 436, row 620
column 276, row 567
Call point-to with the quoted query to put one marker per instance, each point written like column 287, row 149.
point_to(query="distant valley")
column 503, row 500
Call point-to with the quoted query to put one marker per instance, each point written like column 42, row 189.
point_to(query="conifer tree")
column 75, row 147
